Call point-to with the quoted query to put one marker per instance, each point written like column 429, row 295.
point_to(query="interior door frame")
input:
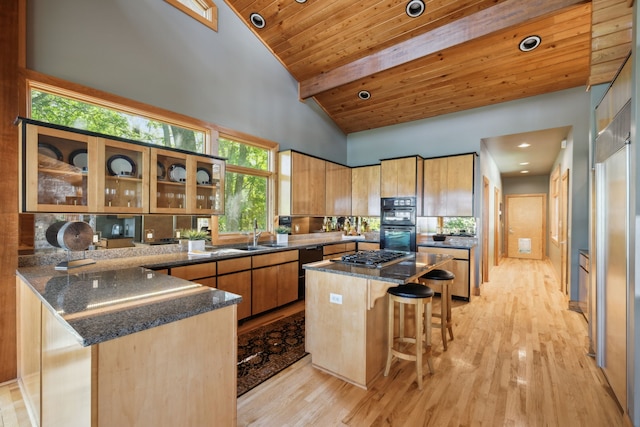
column 543, row 231
column 485, row 229
column 496, row 226
column 564, row 235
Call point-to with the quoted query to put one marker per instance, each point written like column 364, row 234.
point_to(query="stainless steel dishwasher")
column 305, row 256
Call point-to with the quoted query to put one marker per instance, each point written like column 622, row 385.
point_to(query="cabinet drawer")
column 232, row 265
column 338, row 248
column 207, row 281
column 275, row 258
column 367, row 246
column 194, row 271
column 456, row 253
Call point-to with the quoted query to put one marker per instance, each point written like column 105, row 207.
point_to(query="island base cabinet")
column 180, row 373
column 66, row 377
column 344, row 337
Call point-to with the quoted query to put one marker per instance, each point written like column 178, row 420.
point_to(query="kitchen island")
column 130, row 346
column 346, row 313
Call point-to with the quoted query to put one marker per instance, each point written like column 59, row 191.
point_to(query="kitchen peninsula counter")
column 346, row 314
column 105, row 346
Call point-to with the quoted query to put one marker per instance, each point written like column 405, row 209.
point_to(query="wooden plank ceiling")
column 459, row 54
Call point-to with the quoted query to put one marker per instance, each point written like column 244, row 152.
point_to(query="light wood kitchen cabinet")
column 204, row 274
column 448, row 186
column 186, row 183
column 462, row 266
column 368, row 246
column 336, row 250
column 67, row 170
column 365, row 191
column 275, row 280
column 55, row 166
column 402, row 178
column 301, row 184
column 66, row 384
column 337, row 190
column 234, row 275
column 123, row 184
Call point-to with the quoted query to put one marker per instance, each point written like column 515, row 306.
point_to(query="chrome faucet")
column 256, row 233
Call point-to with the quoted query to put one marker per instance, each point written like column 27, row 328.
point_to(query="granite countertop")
column 99, row 304
column 452, row 245
column 409, row 268
column 453, row 242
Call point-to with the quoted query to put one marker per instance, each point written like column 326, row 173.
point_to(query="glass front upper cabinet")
column 56, row 170
column 209, row 189
column 169, row 182
column 186, row 183
column 80, row 172
column 123, row 185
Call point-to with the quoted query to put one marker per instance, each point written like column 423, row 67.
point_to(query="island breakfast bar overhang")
column 346, row 314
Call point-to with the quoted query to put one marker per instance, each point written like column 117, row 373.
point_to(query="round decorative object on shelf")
column 71, row 235
column 49, row 150
column 177, row 173
column 162, row 172
column 78, row 158
column 121, row 165
column 203, row 177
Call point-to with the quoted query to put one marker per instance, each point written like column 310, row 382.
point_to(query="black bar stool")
column 419, row 296
column 441, row 281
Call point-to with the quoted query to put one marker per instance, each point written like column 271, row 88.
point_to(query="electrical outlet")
column 335, row 298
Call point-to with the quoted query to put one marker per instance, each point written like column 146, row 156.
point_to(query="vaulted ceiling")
column 457, row 55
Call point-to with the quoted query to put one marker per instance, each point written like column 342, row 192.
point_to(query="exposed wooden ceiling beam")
column 499, row 17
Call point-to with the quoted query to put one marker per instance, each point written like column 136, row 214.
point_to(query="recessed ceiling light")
column 364, row 95
column 524, row 145
column 257, row 20
column 524, row 163
column 524, row 171
column 415, row 8
column 301, row 1
column 529, row 43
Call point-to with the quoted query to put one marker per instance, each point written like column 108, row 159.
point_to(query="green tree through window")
column 60, row 110
column 246, row 186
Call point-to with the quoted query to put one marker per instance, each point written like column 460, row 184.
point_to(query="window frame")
column 270, row 174
column 209, row 8
column 102, row 99
column 54, row 85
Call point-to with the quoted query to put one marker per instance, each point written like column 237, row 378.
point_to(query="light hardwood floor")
column 518, row 359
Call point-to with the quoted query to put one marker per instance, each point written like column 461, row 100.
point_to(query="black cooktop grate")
column 373, row 258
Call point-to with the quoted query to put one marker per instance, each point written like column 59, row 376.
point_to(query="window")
column 82, row 112
column 554, row 214
column 204, row 11
column 249, row 184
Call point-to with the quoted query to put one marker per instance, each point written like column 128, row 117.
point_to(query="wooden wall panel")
column 11, row 23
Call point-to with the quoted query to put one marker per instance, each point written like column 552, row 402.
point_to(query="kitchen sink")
column 274, row 245
column 226, row 251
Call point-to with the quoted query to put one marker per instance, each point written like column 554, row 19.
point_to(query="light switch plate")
column 335, row 298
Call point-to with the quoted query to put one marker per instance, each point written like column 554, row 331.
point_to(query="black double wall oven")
column 398, row 223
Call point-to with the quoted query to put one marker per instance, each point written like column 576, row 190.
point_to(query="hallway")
column 518, row 359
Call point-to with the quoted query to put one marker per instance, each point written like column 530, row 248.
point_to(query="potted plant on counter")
column 282, row 234
column 196, row 239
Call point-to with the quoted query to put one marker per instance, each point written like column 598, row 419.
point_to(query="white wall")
column 149, row 51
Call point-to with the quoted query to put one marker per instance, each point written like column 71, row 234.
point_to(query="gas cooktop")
column 373, row 259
